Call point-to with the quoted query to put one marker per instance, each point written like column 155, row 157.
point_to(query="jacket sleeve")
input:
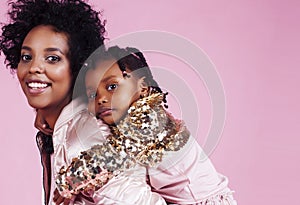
column 188, row 177
column 129, row 187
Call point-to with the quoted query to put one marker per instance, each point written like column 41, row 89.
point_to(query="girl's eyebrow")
column 46, row 49
column 90, row 88
column 104, row 80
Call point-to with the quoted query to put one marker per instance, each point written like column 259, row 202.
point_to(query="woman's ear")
column 143, row 87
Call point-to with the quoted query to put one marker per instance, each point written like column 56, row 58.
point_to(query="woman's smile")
column 36, row 86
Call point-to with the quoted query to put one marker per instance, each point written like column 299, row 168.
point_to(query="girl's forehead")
column 102, row 71
column 107, row 66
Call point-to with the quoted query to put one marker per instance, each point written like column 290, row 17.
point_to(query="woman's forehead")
column 46, row 37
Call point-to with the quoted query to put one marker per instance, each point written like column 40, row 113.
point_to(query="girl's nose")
column 102, row 99
column 36, row 67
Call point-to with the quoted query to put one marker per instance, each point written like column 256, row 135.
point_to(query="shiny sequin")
column 142, row 137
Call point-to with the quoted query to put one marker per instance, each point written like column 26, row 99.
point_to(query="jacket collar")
column 70, row 111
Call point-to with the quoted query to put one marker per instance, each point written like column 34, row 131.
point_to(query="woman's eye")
column 53, row 59
column 112, row 87
column 92, row 96
column 26, row 58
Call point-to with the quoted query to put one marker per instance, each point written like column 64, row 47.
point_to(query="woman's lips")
column 36, row 86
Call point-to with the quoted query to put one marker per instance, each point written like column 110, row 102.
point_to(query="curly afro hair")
column 75, row 18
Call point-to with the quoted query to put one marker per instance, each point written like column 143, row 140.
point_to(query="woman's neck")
column 50, row 115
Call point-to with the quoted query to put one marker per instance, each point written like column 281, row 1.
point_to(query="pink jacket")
column 182, row 178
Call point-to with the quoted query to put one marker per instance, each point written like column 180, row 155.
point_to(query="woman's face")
column 44, row 69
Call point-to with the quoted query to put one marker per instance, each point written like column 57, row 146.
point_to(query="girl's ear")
column 143, row 87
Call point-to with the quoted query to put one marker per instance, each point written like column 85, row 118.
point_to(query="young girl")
column 122, row 92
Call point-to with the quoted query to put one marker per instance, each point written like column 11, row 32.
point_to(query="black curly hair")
column 128, row 58
column 75, row 18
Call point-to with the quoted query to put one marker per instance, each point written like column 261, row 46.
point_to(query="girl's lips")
column 104, row 112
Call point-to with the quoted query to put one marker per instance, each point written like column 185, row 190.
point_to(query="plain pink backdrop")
column 255, row 47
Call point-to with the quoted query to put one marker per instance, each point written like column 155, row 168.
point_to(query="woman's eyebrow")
column 46, row 49
column 54, row 49
column 26, row 48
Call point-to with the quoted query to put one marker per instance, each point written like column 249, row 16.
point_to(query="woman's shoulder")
column 71, row 111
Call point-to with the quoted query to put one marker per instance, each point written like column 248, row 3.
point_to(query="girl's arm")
column 126, row 186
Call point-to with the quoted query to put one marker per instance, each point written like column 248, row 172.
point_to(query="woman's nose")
column 36, row 66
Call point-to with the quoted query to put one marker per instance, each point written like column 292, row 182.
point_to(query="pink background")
column 255, row 47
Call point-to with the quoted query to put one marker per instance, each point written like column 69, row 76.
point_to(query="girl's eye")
column 53, row 59
column 92, row 96
column 112, row 87
column 26, row 58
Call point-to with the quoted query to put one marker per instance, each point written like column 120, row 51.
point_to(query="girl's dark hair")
column 127, row 58
column 77, row 19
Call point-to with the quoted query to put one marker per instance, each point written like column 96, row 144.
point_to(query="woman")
column 46, row 43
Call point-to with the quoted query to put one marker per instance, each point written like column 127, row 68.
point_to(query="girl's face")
column 110, row 94
column 44, row 70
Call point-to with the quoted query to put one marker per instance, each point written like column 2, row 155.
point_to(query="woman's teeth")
column 35, row 85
